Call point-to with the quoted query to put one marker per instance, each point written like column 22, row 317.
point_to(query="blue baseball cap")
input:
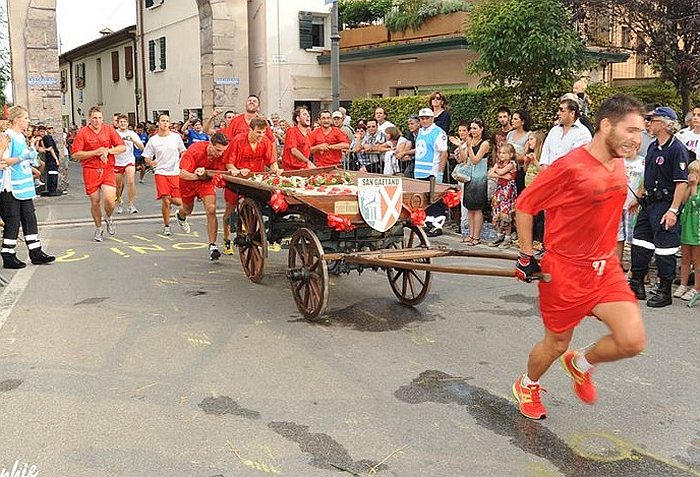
column 665, row 112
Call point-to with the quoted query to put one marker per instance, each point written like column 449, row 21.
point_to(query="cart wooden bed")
column 317, row 250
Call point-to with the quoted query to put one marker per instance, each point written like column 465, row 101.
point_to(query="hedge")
column 483, row 103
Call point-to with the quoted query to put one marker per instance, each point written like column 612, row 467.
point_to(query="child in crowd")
column 634, row 167
column 503, row 202
column 690, row 236
column 531, row 158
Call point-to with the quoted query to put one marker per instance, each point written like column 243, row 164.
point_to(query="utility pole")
column 335, row 58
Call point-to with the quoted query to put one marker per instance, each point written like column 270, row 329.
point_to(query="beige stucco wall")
column 386, row 76
column 178, row 86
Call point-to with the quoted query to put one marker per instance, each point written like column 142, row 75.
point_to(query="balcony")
column 451, row 24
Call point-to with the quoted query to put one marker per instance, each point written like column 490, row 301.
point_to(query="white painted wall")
column 177, row 87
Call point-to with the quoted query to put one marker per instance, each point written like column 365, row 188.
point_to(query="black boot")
column 663, row 297
column 38, row 257
column 637, row 286
column 10, row 260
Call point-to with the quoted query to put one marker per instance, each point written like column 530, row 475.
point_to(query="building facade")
column 103, row 72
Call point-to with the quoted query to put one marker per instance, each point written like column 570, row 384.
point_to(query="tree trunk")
column 685, row 104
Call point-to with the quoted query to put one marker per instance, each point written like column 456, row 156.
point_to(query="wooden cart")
column 317, row 250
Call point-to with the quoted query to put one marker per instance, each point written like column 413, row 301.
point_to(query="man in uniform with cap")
column 430, row 161
column 657, row 231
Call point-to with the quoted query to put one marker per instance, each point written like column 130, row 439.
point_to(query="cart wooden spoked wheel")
column 308, row 273
column 251, row 239
column 411, row 286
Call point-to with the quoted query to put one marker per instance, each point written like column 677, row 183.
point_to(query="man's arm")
column 207, row 126
column 524, row 223
column 297, row 153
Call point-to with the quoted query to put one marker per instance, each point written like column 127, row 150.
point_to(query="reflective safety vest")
column 21, row 178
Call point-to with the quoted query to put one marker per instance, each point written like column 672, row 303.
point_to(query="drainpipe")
column 144, row 90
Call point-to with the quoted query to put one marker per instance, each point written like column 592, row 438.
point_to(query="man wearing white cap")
column 431, row 158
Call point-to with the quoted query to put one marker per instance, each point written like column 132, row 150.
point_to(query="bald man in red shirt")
column 327, row 142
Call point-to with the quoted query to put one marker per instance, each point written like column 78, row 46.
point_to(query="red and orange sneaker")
column 583, row 384
column 529, row 399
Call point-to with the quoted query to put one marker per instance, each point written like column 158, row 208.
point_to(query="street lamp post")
column 335, row 58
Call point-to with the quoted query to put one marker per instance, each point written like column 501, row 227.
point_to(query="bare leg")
column 109, row 194
column 619, row 248
column 95, row 210
column 227, row 216
column 685, row 264
column 478, row 223
column 130, row 173
column 120, row 187
column 695, row 257
column 209, row 202
column 165, row 208
column 627, row 337
column 544, row 353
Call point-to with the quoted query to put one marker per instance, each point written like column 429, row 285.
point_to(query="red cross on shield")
column 380, row 201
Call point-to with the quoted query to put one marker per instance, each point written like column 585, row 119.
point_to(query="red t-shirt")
column 334, row 136
column 89, row 140
column 242, row 155
column 196, row 156
column 239, row 125
column 582, row 201
column 295, row 138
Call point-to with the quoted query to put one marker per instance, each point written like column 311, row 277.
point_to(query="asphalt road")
column 139, row 357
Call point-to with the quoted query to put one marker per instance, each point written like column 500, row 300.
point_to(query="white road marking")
column 11, row 294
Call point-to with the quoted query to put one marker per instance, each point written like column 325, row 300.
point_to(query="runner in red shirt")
column 582, row 195
column 95, row 146
column 297, row 144
column 248, row 152
column 327, row 142
column 194, row 182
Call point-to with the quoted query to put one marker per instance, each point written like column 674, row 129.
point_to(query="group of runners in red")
column 582, row 195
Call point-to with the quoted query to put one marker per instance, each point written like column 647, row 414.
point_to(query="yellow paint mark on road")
column 71, row 256
column 198, row 340
column 142, row 238
column 167, row 281
column 145, row 250
column 119, row 252
column 419, row 338
column 118, row 240
column 372, row 315
column 189, row 245
column 254, row 464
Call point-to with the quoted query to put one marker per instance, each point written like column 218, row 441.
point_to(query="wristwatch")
column 673, row 209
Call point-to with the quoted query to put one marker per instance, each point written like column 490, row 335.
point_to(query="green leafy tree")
column 527, row 45
column 666, row 36
column 357, row 13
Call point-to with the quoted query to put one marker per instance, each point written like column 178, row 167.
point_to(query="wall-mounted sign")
column 231, row 81
column 42, row 81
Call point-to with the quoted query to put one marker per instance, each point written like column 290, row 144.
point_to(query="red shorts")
column 96, row 178
column 199, row 189
column 230, row 196
column 121, row 169
column 167, row 185
column 577, row 287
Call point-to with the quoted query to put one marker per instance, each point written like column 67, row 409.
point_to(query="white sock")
column 528, row 382
column 582, row 364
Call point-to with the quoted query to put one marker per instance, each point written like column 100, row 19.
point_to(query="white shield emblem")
column 380, row 201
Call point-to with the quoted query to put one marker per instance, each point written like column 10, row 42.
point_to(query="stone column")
column 224, row 50
column 34, row 60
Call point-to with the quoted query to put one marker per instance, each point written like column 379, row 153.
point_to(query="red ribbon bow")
column 418, row 217
column 218, row 181
column 452, row 198
column 340, row 224
column 278, row 202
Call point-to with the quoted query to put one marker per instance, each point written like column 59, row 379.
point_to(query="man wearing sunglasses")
column 567, row 135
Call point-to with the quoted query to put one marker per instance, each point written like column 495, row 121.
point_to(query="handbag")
column 462, row 173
